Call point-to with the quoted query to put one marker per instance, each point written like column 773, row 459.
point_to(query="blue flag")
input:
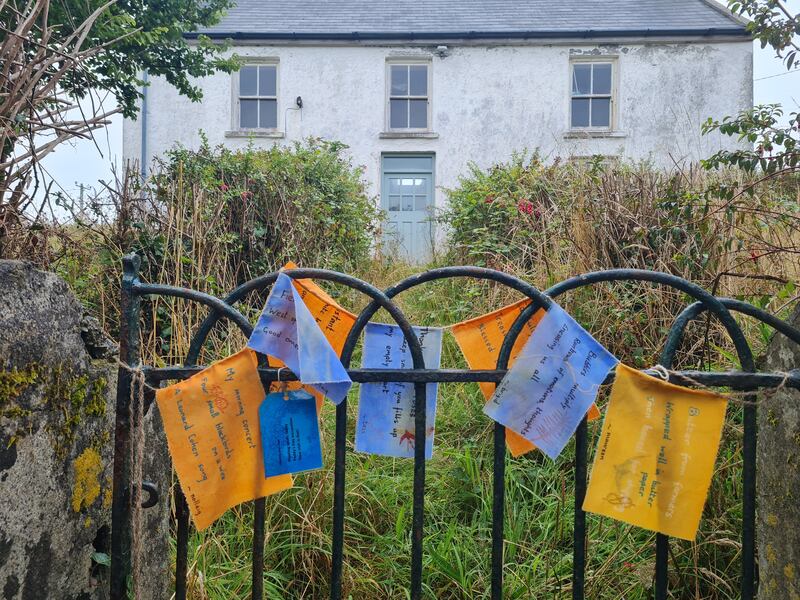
column 287, row 330
column 386, row 410
column 552, row 384
column 289, row 433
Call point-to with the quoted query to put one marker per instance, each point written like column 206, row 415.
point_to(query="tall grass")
column 544, row 223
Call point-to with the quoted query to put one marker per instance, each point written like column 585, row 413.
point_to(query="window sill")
column 582, row 134
column 399, row 135
column 254, row 133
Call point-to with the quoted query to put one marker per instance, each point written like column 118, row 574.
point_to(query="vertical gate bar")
column 418, row 518
column 748, row 585
column 662, row 566
column 579, row 533
column 337, row 558
column 259, row 515
column 498, row 510
column 182, row 542
column 121, row 499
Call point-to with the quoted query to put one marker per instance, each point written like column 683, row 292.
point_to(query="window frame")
column 236, row 97
column 612, row 96
column 388, row 97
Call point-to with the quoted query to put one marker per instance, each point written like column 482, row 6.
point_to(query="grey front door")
column 407, row 197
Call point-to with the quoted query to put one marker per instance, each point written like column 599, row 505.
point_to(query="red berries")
column 525, row 206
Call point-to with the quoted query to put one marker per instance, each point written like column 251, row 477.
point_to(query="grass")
column 458, row 508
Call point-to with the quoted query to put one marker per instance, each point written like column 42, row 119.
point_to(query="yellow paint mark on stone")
column 88, row 468
column 788, row 571
column 772, row 519
column 87, row 522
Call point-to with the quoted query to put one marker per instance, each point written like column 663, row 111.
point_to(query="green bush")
column 546, row 222
column 305, row 203
column 526, row 213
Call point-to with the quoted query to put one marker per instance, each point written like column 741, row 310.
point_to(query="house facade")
column 418, row 90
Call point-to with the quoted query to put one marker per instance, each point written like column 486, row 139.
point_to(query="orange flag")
column 211, row 422
column 656, row 454
column 480, row 340
column 335, row 322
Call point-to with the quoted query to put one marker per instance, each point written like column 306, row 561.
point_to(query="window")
column 409, row 96
column 591, row 97
column 258, row 97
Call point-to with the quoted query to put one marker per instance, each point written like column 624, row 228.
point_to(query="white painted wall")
column 487, row 102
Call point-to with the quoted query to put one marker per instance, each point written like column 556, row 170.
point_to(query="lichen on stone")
column 87, row 468
column 75, row 397
column 15, row 381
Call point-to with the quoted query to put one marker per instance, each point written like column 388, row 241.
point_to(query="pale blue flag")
column 553, row 382
column 386, row 410
column 287, row 330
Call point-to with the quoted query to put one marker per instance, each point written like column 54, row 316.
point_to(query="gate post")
column 121, row 503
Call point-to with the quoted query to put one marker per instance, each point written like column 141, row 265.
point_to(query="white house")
column 418, row 89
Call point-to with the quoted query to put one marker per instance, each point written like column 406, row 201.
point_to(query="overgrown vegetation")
column 213, row 218
column 548, row 222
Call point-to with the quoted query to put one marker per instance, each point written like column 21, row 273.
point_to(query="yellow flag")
column 656, row 454
column 335, row 322
column 211, row 422
column 480, row 340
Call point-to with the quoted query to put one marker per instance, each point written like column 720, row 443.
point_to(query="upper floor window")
column 592, row 95
column 258, row 97
column 409, row 96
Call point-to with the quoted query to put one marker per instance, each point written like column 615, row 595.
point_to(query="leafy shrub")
column 549, row 221
column 263, row 207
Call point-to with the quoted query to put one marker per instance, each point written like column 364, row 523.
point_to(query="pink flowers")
column 247, row 195
column 489, row 199
column 525, row 207
column 223, row 187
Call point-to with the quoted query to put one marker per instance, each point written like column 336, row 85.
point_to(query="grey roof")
column 430, row 19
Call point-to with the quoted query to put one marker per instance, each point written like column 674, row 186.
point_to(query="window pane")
column 601, row 81
column 267, row 84
column 247, row 81
column 581, row 79
column 268, row 117
column 418, row 117
column 408, row 202
column 420, row 202
column 394, row 186
column 394, row 202
column 580, row 112
column 398, row 114
column 248, row 114
column 399, row 80
column 601, row 112
column 418, row 75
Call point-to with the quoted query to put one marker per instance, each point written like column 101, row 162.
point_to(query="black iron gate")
column 746, row 380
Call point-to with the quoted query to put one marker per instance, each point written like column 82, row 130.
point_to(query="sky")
column 84, row 162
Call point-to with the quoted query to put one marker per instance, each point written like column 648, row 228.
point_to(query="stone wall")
column 57, row 385
column 778, row 465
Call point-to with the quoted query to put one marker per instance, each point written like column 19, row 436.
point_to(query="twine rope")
column 741, row 398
